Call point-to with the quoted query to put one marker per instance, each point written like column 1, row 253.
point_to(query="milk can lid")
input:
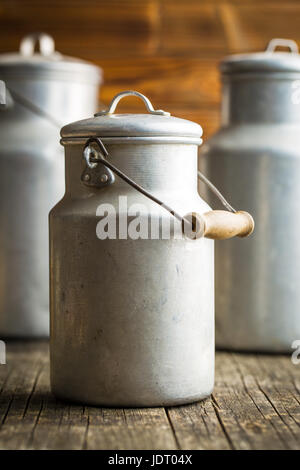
column 268, row 61
column 46, row 62
column 156, row 126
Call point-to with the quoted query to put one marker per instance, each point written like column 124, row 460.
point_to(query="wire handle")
column 215, row 191
column 114, row 102
column 213, row 224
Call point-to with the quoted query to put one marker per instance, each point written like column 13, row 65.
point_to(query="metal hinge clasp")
column 95, row 174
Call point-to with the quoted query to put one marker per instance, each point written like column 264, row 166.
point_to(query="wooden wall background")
column 167, row 49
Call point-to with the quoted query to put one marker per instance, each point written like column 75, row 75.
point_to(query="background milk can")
column 44, row 91
column 2, row 93
column 132, row 318
column 255, row 158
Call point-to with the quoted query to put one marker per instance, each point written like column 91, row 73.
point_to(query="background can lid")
column 46, row 62
column 268, row 61
column 157, row 125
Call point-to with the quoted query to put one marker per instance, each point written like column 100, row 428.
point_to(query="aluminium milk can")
column 255, row 158
column 132, row 298
column 44, row 91
column 2, row 93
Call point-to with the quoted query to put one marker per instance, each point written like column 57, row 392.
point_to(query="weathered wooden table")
column 255, row 405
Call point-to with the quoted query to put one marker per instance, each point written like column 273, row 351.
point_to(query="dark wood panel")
column 191, row 27
column 249, row 27
column 108, row 27
column 181, row 83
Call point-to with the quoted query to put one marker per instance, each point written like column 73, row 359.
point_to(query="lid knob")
column 278, row 42
column 46, row 44
column 119, row 96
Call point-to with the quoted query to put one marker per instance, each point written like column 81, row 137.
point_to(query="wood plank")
column 60, row 426
column 282, row 394
column 249, row 27
column 241, row 416
column 186, row 84
column 258, row 375
column 191, row 27
column 146, row 428
column 17, row 391
column 197, row 427
column 109, row 27
column 112, row 28
column 33, row 419
column 255, row 405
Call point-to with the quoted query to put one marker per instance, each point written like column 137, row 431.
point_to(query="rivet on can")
column 87, row 177
column 104, row 178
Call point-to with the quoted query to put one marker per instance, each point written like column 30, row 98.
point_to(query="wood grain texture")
column 255, row 405
column 105, row 27
column 185, row 83
column 220, row 225
column 191, row 27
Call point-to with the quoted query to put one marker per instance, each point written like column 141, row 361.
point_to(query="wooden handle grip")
column 220, row 225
